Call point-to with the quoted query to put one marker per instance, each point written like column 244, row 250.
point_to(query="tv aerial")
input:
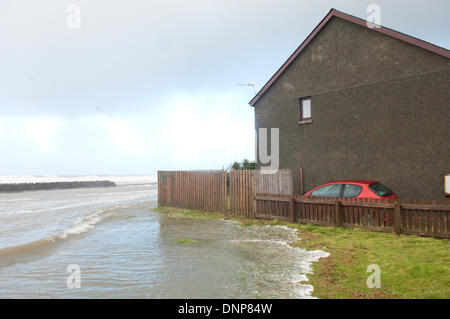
column 248, row 84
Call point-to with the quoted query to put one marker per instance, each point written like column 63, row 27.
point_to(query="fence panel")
column 202, row 190
column 274, row 192
column 242, row 202
column 280, row 183
column 317, row 211
column 273, row 207
column 374, row 214
column 425, row 218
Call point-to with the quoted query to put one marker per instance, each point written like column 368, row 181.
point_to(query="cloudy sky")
column 144, row 85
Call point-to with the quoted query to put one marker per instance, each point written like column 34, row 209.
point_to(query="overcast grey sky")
column 147, row 85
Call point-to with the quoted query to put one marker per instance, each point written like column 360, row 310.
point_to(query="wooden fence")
column 220, row 191
column 245, row 183
column 242, row 202
column 279, row 183
column 217, row 191
column 240, row 193
column 424, row 218
column 203, row 190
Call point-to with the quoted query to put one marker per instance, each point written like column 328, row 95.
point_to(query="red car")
column 356, row 188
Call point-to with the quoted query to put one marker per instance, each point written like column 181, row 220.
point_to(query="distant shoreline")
column 20, row 187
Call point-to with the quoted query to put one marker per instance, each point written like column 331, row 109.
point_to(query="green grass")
column 187, row 241
column 186, row 213
column 411, row 266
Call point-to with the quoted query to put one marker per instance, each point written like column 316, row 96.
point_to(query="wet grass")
column 187, row 241
column 411, row 266
column 186, row 213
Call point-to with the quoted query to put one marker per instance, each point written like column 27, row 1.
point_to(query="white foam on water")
column 303, row 264
column 84, row 224
column 16, row 200
column 21, row 211
column 117, row 197
column 266, row 241
column 13, row 254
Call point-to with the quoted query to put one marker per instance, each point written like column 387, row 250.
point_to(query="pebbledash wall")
column 380, row 110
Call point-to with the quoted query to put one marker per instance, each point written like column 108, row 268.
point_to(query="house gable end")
column 355, row 56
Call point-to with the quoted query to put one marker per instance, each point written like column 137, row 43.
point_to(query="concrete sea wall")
column 53, row 185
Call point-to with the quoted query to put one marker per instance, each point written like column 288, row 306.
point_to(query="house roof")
column 335, row 13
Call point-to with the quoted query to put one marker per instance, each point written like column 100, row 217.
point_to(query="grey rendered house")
column 354, row 102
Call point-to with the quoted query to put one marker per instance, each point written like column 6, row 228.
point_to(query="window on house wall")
column 305, row 109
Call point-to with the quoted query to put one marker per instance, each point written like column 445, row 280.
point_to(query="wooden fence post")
column 337, row 213
column 159, row 189
column 397, row 219
column 300, row 173
column 292, row 210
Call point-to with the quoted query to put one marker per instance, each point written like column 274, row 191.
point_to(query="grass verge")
column 186, row 213
column 411, row 266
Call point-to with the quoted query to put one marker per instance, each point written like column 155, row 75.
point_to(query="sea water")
column 123, row 249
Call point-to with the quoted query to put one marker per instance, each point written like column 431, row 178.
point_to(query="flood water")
column 125, row 250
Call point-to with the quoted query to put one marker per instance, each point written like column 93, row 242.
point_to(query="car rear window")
column 380, row 189
column 328, row 191
column 351, row 190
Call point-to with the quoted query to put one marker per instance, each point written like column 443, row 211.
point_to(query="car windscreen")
column 380, row 190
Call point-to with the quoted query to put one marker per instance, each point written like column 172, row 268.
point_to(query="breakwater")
column 20, row 187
